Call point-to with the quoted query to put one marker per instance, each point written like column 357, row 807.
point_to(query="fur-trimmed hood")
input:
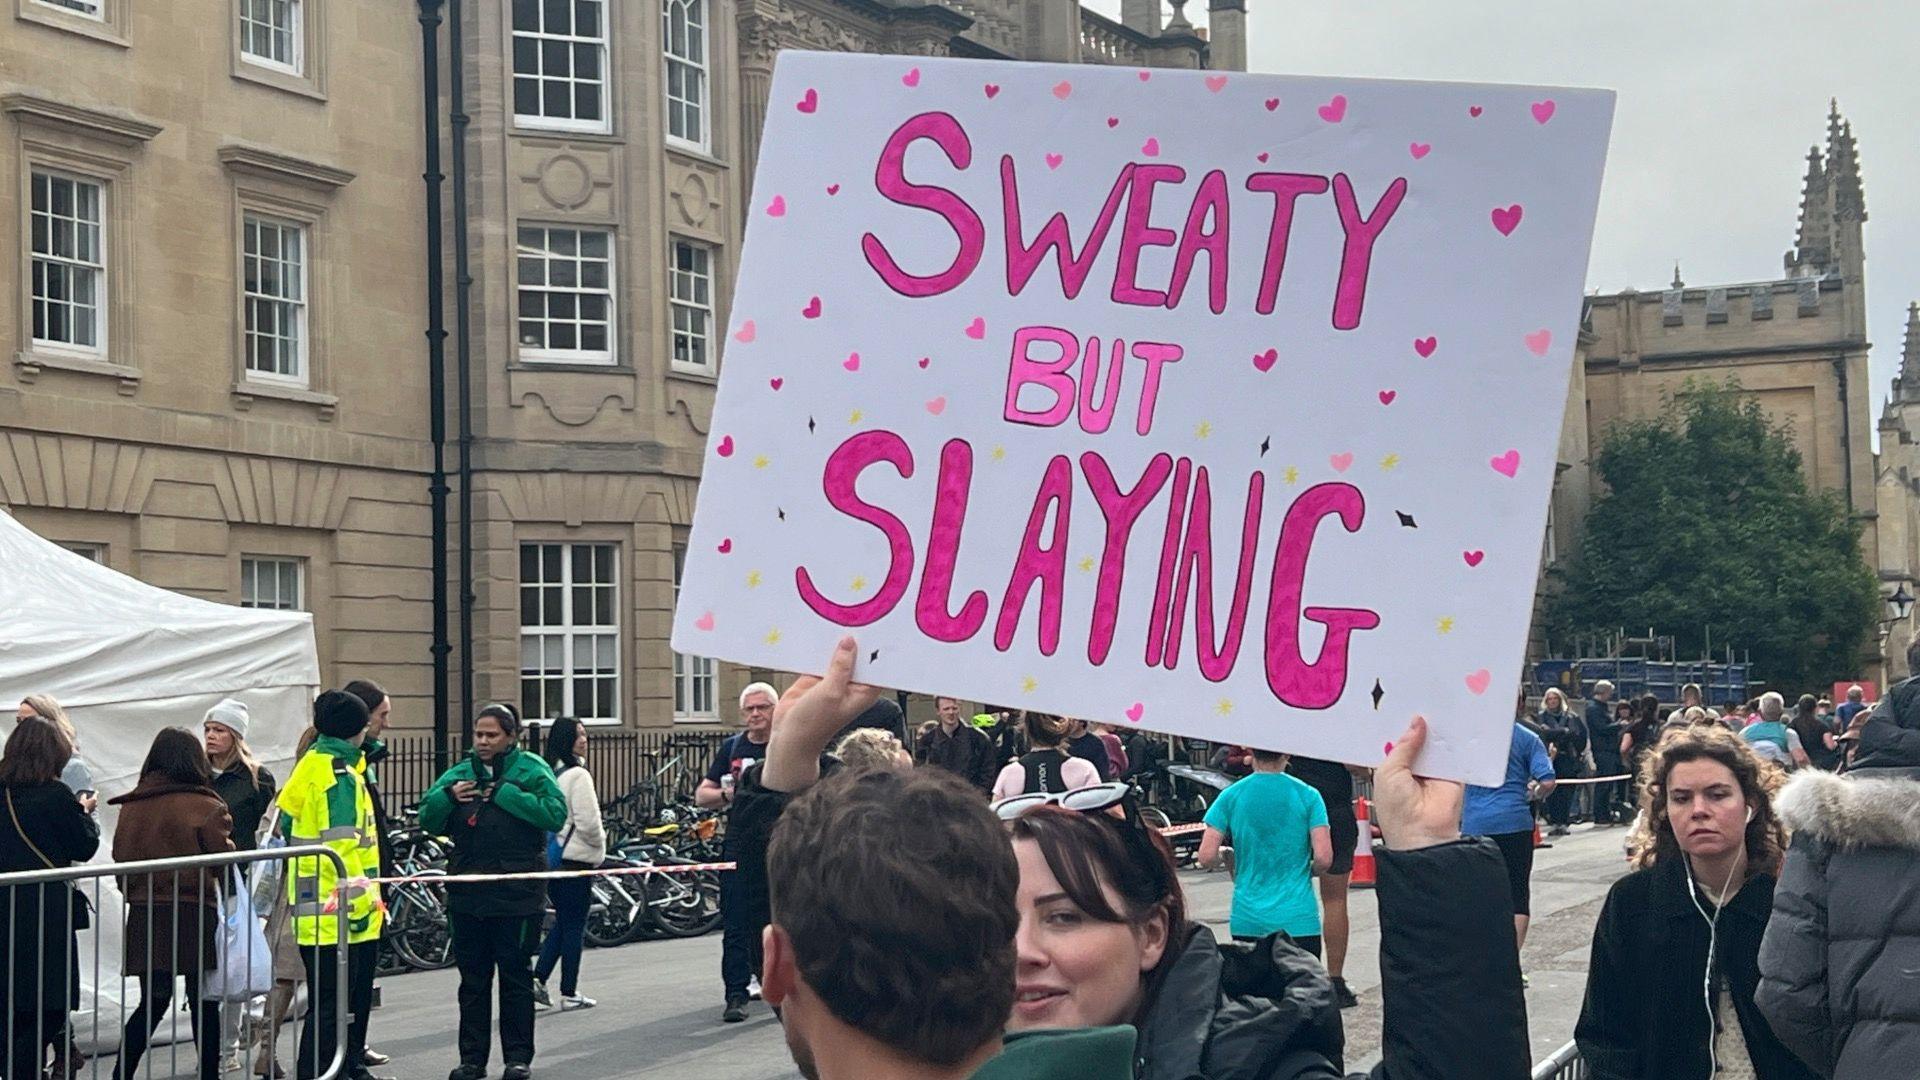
column 1869, row 808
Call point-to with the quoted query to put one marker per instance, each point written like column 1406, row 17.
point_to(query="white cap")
column 230, row 714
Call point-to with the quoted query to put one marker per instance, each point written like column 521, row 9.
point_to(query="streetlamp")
column 1899, row 604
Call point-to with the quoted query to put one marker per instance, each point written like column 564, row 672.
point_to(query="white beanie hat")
column 230, row 714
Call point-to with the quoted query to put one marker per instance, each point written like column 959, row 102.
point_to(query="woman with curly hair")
column 1670, row 986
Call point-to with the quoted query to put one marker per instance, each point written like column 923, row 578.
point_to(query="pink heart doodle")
column 1216, row 83
column 1419, row 150
column 1479, row 681
column 1062, row 89
column 1151, row 147
column 726, row 545
column 1539, row 342
column 1135, row 711
column 1145, row 75
column 977, row 329
column 937, row 405
column 925, row 360
column 1113, row 121
column 993, row 90
column 1474, row 111
column 1341, row 462
column 1335, row 110
column 1543, row 111
column 1506, row 464
column 1265, row 360
column 911, row 79
column 1387, row 396
column 776, row 382
column 809, row 101
column 1425, row 346
column 812, row 310
column 1473, row 557
column 778, row 207
column 704, row 622
column 1054, row 160
column 1261, row 157
column 833, row 189
column 1507, row 219
column 745, row 334
column 852, row 362
column 1272, row 103
column 725, row 449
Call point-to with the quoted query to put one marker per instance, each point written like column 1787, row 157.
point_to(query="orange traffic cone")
column 1537, row 841
column 1364, row 875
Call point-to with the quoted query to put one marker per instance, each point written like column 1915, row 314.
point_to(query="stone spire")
column 1909, row 382
column 1843, row 168
column 1813, row 243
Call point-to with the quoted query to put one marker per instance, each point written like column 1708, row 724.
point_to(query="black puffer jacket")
column 1452, row 1004
column 1840, row 963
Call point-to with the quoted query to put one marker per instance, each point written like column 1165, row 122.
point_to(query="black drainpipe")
column 1846, row 428
column 436, row 368
column 463, row 280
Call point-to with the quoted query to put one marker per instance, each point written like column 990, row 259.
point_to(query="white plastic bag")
column 243, row 964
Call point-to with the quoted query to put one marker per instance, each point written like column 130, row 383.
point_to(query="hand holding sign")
column 1036, row 316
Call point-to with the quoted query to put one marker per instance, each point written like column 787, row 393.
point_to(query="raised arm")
column 809, row 715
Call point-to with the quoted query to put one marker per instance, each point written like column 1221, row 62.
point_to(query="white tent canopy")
column 127, row 659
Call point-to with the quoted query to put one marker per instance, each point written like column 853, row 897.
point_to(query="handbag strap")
column 35, row 848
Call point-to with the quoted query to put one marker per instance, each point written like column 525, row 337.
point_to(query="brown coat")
column 170, row 914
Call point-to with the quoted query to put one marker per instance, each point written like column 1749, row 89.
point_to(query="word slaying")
column 1204, row 232
column 1183, row 571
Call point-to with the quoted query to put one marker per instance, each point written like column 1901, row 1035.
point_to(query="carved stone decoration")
column 695, row 198
column 571, row 410
column 566, row 181
column 698, row 425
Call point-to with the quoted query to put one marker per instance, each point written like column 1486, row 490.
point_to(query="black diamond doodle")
column 1406, row 520
column 874, row 657
column 1265, row 445
column 1377, row 695
column 782, row 513
column 809, row 425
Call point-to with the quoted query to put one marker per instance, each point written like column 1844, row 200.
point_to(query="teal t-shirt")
column 1269, row 819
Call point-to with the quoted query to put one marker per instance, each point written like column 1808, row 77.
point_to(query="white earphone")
column 1713, row 941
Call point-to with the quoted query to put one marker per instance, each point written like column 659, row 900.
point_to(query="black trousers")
column 317, row 1040
column 484, row 945
column 1609, row 798
column 156, row 998
column 744, row 915
column 31, row 1034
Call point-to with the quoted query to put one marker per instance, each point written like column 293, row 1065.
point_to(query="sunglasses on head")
column 1086, row 800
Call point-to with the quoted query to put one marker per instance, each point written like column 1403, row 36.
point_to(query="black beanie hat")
column 339, row 715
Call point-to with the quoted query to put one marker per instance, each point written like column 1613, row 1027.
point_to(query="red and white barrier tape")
column 1593, row 779
column 1180, row 830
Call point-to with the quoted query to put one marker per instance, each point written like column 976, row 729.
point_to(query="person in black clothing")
column 242, row 784
column 1083, row 743
column 1566, row 737
column 1334, row 782
column 48, row 826
column 374, row 753
column 1637, row 740
column 957, row 747
column 1603, row 735
column 885, row 714
column 1047, row 766
column 743, row 893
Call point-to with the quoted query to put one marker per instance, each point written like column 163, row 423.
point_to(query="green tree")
column 1707, row 521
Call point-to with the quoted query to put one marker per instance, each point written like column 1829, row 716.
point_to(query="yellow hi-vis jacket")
column 326, row 801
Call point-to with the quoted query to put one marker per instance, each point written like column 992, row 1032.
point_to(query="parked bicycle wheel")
column 684, row 905
column 424, row 938
column 612, row 912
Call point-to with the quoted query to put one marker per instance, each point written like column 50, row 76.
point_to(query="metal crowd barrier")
column 91, row 963
column 1565, row 1064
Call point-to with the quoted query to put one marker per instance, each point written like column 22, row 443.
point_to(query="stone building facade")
column 1797, row 344
column 217, row 375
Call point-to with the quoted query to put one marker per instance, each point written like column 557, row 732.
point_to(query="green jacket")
column 504, row 832
column 1103, row 1053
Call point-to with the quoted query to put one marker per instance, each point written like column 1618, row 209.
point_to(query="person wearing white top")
column 1045, row 766
column 582, row 844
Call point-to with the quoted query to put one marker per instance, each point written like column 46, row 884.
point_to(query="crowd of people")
column 1768, row 926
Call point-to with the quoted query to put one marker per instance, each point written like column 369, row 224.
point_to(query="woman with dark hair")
column 581, row 844
column 1104, row 939
column 1640, row 735
column 47, row 827
column 1675, row 963
column 1046, row 766
column 173, row 917
column 1816, row 738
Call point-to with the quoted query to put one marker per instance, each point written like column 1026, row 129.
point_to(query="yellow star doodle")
column 1027, row 684
column 1291, row 476
column 1205, row 429
column 1224, row 707
column 773, row 636
column 1387, row 463
column 855, row 418
column 762, row 461
column 999, row 453
column 753, row 579
column 1086, row 565
column 1446, row 624
column 859, row 583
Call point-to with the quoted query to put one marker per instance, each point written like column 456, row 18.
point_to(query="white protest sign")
column 1224, row 405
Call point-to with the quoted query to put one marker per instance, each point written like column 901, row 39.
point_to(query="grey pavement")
column 659, row 1011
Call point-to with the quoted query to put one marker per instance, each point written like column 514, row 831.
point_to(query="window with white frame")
column 271, row 583
column 92, row 9
column 566, row 295
column 560, row 64
column 271, row 34
column 684, row 34
column 274, row 292
column 569, row 632
column 693, row 676
column 90, row 552
column 69, row 261
column 690, row 295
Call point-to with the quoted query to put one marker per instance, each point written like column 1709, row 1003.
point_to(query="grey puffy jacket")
column 1840, row 963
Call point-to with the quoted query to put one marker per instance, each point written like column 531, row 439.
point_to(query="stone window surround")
column 302, row 595
column 313, row 548
column 288, row 189
column 711, row 369
column 526, row 359
column 109, row 27
column 620, row 539
column 608, row 126
column 98, row 146
column 703, row 146
column 310, row 81
column 695, row 667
